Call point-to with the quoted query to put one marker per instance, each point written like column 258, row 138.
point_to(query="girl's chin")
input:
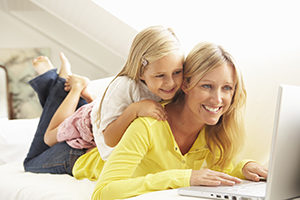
column 167, row 97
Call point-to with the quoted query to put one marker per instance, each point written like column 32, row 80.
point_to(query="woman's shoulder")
column 149, row 124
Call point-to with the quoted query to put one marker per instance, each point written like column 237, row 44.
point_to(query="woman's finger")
column 229, row 178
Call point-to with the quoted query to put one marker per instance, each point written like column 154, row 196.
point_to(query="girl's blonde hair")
column 226, row 137
column 148, row 46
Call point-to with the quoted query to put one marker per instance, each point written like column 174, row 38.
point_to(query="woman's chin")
column 212, row 122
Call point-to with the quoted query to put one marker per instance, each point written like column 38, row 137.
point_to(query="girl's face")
column 212, row 95
column 164, row 76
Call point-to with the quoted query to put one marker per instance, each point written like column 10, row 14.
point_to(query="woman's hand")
column 150, row 108
column 209, row 177
column 254, row 171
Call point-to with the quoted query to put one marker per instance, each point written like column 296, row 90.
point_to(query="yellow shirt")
column 146, row 159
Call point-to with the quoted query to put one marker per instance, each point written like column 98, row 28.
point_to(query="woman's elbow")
column 98, row 195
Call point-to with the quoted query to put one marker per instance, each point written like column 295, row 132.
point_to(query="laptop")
column 284, row 165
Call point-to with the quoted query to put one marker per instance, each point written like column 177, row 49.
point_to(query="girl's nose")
column 169, row 81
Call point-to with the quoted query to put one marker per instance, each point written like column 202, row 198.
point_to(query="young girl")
column 152, row 72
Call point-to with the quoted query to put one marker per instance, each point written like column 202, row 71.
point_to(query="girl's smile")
column 163, row 77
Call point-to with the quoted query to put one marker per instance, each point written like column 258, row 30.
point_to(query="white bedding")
column 15, row 184
column 19, row 185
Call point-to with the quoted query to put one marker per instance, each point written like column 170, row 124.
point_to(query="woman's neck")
column 181, row 116
column 183, row 124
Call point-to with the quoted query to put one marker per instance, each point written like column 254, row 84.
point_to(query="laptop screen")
column 284, row 165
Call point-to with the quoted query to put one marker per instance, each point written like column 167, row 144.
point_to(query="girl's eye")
column 227, row 87
column 178, row 72
column 159, row 76
column 206, row 86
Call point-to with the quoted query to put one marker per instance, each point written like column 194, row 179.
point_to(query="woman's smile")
column 212, row 109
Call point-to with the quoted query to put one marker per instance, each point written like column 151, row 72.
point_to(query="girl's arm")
column 116, row 180
column 115, row 130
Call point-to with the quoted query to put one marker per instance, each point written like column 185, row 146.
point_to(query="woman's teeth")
column 211, row 109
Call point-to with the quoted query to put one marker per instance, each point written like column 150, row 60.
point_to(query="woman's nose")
column 216, row 96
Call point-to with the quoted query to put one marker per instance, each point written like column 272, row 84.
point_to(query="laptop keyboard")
column 255, row 188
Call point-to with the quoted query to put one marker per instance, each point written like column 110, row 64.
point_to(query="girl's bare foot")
column 65, row 68
column 76, row 82
column 42, row 64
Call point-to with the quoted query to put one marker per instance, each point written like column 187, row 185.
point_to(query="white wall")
column 18, row 35
column 262, row 36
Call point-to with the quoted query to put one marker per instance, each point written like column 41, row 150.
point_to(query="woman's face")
column 212, row 95
column 164, row 76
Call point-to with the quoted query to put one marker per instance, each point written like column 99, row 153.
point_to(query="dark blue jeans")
column 60, row 158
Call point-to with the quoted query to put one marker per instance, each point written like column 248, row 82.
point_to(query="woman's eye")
column 206, row 86
column 227, row 87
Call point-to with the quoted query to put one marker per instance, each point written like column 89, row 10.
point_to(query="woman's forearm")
column 129, row 187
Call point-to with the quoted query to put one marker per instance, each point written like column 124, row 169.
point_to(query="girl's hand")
column 150, row 108
column 254, row 171
column 209, row 177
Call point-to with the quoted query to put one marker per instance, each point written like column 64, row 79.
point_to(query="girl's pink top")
column 76, row 130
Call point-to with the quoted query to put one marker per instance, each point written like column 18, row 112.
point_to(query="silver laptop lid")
column 284, row 165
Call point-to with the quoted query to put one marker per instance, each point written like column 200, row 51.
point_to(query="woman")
column 195, row 146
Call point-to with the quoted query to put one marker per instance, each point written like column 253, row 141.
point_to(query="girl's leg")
column 42, row 64
column 58, row 159
column 66, row 108
column 43, row 83
column 46, row 76
column 55, row 97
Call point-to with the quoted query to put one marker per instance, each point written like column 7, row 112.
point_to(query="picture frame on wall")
column 18, row 63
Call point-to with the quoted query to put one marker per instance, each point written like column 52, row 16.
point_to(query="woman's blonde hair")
column 149, row 45
column 226, row 137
